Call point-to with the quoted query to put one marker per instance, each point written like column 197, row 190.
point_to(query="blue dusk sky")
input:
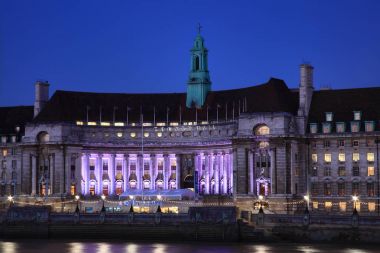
column 143, row 45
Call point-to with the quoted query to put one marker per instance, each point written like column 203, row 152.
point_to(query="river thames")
column 57, row 246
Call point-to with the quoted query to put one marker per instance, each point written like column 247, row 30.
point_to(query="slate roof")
column 69, row 106
column 10, row 117
column 342, row 103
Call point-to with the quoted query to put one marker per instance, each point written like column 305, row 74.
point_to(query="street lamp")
column 77, row 200
column 103, row 199
column 355, row 199
column 10, row 199
column 307, row 199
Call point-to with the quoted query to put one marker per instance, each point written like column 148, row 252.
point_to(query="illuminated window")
column 79, row 123
column 314, row 158
column 91, row 123
column 329, row 116
column 328, row 158
column 371, row 206
column 342, row 171
column 262, row 130
column 119, row 124
column 370, row 157
column 369, row 126
column 174, row 123
column 119, row 134
column 159, row 134
column 315, row 205
column 313, row 128
column 161, row 124
column 371, row 171
column 357, row 115
column 355, row 126
column 263, row 144
column 328, row 205
column 146, row 134
column 147, row 124
column 326, row 128
column 72, row 190
column 5, row 152
column 355, row 157
column 340, row 127
column 357, row 206
column 133, row 134
column 105, row 124
column 342, row 206
column 342, row 157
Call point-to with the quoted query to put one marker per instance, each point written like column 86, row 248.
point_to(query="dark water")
column 49, row 246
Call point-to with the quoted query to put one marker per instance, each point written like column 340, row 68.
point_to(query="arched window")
column 43, row 137
column 196, row 60
column 261, row 130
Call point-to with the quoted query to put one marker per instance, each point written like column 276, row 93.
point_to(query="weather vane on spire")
column 199, row 27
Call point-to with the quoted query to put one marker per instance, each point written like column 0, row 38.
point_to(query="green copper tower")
column 199, row 83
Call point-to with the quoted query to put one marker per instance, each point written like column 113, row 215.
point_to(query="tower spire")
column 199, row 83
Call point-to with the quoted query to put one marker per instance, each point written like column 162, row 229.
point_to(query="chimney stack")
column 306, row 89
column 41, row 96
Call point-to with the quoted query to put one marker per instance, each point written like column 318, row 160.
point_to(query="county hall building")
column 269, row 140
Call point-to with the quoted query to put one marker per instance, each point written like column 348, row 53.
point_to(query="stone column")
column 272, row 170
column 125, row 171
column 178, row 171
column 86, row 173
column 139, row 171
column 166, row 171
column 217, row 173
column 233, row 164
column 78, row 174
column 207, row 173
column 224, row 173
column 51, row 170
column 251, row 175
column 151, row 172
column 111, row 173
column 99, row 174
column 292, row 166
column 154, row 171
column 68, row 172
column 34, row 174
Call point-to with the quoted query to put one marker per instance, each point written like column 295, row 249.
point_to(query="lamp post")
column 355, row 199
column 77, row 200
column 103, row 199
column 261, row 197
column 131, row 208
column 307, row 199
column 10, row 199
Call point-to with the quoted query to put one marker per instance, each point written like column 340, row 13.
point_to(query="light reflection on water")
column 54, row 246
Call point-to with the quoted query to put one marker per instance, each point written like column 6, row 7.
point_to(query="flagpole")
column 226, row 112
column 100, row 113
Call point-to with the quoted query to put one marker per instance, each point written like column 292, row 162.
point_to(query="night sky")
column 143, row 46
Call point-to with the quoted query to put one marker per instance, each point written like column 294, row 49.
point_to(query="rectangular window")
column 328, row 205
column 370, row 157
column 327, row 158
column 326, row 128
column 369, row 126
column 327, row 172
column 371, row 189
column 313, row 128
column 326, row 144
column 92, row 164
column 340, row 143
column 340, row 127
column 5, row 152
column 341, row 189
column 355, row 157
column 355, row 188
column 342, row 171
column 355, row 126
column 329, row 116
column 314, row 158
column 355, row 171
column 13, row 151
column 371, row 171
column 342, row 206
column 357, row 115
column 315, row 204
column 327, row 189
column 371, row 206
column 355, row 143
column 342, row 157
